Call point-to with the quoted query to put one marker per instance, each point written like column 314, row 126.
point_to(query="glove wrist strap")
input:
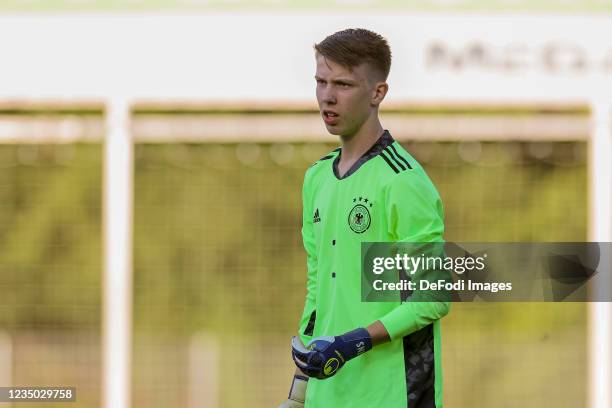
column 358, row 342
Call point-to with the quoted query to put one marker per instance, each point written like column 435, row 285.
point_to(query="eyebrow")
column 337, row 81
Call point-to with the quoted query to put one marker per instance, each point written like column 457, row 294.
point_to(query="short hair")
column 354, row 46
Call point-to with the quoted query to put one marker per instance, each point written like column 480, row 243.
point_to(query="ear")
column 379, row 91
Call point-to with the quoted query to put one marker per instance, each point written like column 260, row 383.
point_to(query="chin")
column 334, row 130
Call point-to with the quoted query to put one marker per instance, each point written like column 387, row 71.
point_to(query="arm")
column 308, row 318
column 297, row 392
column 415, row 214
column 378, row 333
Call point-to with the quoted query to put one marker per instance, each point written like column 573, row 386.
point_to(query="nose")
column 329, row 96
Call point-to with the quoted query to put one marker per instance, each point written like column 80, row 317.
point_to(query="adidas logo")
column 316, row 216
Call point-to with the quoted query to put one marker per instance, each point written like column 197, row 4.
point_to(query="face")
column 346, row 98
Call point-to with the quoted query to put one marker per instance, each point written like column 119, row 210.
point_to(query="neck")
column 354, row 146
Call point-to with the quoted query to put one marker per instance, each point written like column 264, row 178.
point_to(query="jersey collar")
column 383, row 141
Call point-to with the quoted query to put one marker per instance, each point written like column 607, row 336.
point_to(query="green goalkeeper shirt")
column 385, row 197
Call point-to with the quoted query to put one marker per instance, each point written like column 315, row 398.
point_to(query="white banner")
column 264, row 57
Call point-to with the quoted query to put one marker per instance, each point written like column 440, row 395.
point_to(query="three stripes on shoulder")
column 396, row 161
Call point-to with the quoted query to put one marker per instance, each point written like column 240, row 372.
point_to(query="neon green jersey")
column 385, row 197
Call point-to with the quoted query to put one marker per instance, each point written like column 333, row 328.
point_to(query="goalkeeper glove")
column 325, row 355
column 297, row 393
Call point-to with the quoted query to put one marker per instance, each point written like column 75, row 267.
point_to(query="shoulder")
column 404, row 172
column 396, row 160
column 327, row 158
column 318, row 168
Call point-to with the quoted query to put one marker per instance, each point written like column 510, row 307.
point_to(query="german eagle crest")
column 359, row 217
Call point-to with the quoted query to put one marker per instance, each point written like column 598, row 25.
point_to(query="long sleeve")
column 415, row 214
column 308, row 318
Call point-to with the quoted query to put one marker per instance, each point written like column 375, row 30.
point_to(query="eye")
column 320, row 82
column 343, row 85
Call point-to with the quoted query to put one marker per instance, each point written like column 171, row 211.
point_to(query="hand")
column 324, row 356
column 297, row 393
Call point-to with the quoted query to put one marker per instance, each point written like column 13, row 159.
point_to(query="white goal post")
column 600, row 230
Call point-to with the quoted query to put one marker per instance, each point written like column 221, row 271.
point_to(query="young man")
column 369, row 190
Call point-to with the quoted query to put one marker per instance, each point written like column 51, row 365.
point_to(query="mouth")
column 330, row 117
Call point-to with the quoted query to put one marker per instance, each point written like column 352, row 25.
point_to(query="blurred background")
column 500, row 118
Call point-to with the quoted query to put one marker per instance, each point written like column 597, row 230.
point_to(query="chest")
column 349, row 209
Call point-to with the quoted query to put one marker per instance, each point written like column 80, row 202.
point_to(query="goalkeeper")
column 368, row 190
